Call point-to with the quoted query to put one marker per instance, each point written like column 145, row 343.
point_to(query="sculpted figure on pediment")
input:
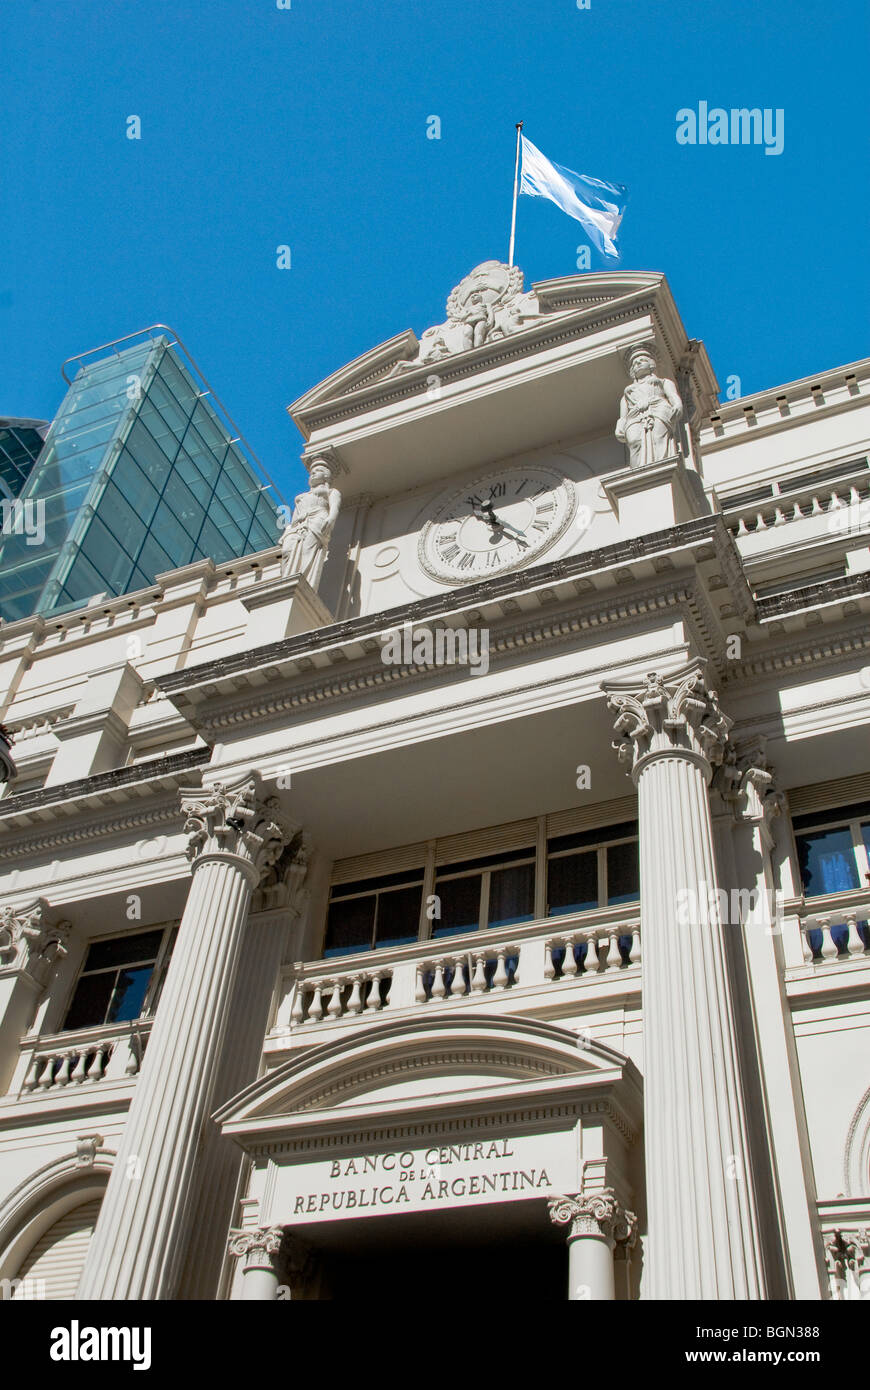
column 489, row 304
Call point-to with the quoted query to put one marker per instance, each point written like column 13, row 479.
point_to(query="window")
column 572, row 873
column 120, row 979
column 592, row 868
column 495, row 891
column 833, row 849
column 373, row 912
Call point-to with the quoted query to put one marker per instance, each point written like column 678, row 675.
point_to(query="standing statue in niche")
column 649, row 413
column 305, row 543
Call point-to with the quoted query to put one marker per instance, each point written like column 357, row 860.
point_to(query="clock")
column 496, row 523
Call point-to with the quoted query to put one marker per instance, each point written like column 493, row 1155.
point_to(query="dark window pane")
column 350, row 926
column 129, row 993
column 572, row 883
column 599, row 836
column 623, row 873
column 369, row 885
column 398, row 916
column 90, row 1001
column 511, row 895
column 827, row 862
column 136, row 949
column 460, row 905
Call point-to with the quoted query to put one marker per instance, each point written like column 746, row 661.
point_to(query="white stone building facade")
column 483, row 895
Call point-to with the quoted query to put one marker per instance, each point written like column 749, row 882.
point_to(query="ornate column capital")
column 276, row 1248
column 32, row 940
column 235, row 820
column 257, row 1246
column 676, row 715
column 747, row 783
column 595, row 1214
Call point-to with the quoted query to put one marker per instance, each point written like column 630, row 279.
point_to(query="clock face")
column 497, row 523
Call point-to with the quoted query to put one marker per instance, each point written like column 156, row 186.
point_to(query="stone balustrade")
column 64, row 1061
column 848, row 495
column 835, row 929
column 475, row 965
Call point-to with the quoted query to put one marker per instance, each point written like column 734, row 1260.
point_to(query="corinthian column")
column 32, row 943
column 703, row 1224
column 142, row 1228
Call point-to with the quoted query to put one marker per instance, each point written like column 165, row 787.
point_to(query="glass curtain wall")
column 138, row 476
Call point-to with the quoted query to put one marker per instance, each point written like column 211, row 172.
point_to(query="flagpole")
column 516, row 190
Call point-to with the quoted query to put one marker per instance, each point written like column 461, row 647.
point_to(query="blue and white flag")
column 598, row 206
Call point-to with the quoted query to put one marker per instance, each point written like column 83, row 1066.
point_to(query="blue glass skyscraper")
column 139, row 474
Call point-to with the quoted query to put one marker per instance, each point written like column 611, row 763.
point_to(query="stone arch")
column 46, row 1196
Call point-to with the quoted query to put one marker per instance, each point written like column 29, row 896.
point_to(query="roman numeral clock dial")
column 494, row 524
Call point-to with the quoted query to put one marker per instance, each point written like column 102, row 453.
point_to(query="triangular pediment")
column 488, row 316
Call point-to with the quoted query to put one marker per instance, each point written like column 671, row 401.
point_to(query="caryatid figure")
column 649, row 412
column 305, row 543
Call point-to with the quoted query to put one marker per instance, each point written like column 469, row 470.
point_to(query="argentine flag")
column 598, row 206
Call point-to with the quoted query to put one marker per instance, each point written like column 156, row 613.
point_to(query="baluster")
column 760, row 523
column 854, row 944
column 818, row 509
column 32, row 1073
column 835, row 504
column 297, row 1012
column 134, row 1057
column 420, row 988
column 333, row 1008
column 63, row 1071
column 797, row 514
column 613, row 959
column 478, row 982
column 315, row 1008
column 98, row 1062
column 458, row 987
column 439, row 989
column 549, row 968
column 635, row 954
column 806, row 944
column 779, row 518
column 742, row 529
column 854, row 496
column 78, row 1073
column 46, row 1079
column 354, row 1003
column 829, row 945
column 385, row 998
column 569, row 964
column 373, row 1003
column 500, row 978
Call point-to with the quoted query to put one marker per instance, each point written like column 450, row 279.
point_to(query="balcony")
column 79, row 1064
column 553, row 966
column 829, row 930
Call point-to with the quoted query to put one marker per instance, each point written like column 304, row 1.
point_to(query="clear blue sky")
column 307, row 127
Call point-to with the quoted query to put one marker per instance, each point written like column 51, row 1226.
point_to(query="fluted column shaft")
column 141, row 1232
column 702, row 1219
